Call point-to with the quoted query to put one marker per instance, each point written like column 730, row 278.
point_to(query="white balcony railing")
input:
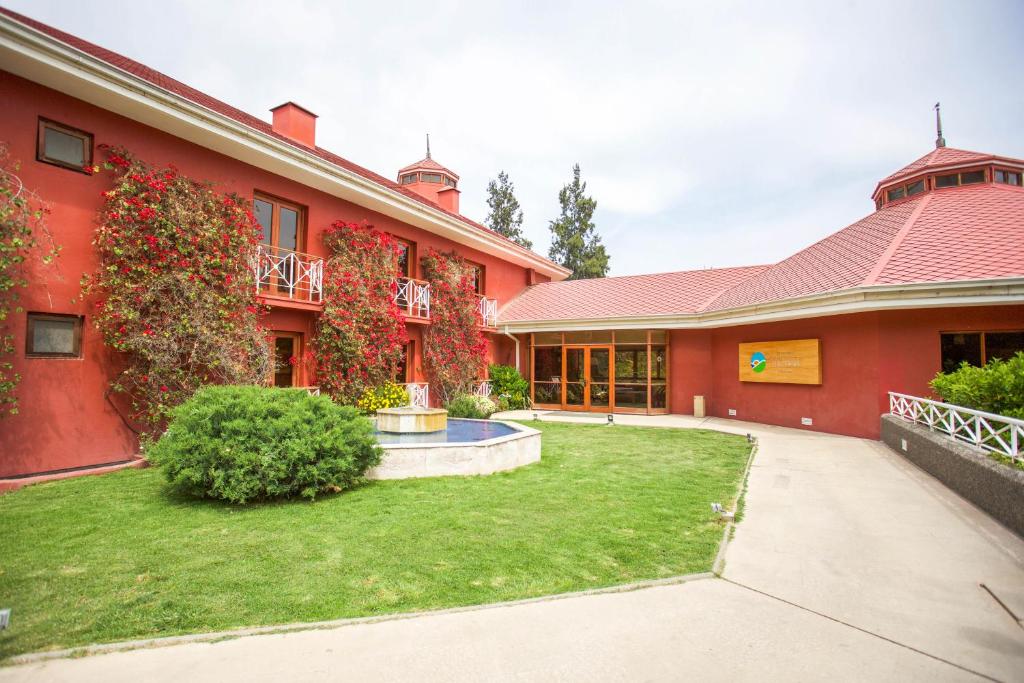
column 288, row 273
column 482, row 388
column 988, row 431
column 488, row 311
column 419, row 394
column 413, row 297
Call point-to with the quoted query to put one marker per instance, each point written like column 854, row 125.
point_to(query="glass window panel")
column 1003, row 345
column 430, row 177
column 659, row 395
column 547, row 392
column 401, row 372
column 1001, row 177
column 408, row 178
column 600, row 395
column 658, row 365
column 600, row 370
column 574, row 393
column 54, row 336
column 897, row 193
column 631, row 395
column 659, row 336
column 960, row 347
column 589, row 337
column 547, row 338
column 403, row 260
column 547, row 364
column 631, row 336
column 915, row 188
column 631, row 364
column 288, row 229
column 946, row 180
column 264, row 212
column 972, row 177
column 64, row 147
column 574, row 365
column 284, row 353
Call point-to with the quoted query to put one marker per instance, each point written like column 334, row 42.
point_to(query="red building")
column 934, row 276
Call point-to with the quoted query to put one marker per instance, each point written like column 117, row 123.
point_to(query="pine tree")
column 574, row 240
column 506, row 217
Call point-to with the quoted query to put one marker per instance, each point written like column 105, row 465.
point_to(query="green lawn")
column 113, row 557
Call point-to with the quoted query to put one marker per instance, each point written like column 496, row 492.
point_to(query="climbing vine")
column 360, row 337
column 174, row 290
column 454, row 348
column 22, row 231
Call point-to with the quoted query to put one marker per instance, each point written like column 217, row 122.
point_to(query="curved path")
column 849, row 563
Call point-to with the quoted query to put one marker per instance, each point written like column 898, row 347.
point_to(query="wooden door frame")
column 610, row 348
column 297, row 374
column 587, row 349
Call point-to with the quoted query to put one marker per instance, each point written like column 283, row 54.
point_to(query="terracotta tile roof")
column 632, row 295
column 178, row 88
column 428, row 164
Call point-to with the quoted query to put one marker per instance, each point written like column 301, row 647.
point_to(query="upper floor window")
column 406, row 258
column 430, row 177
column 908, row 190
column 1008, row 177
column 280, row 221
column 449, row 182
column 64, row 146
column 965, row 178
column 53, row 336
column 477, row 277
column 408, row 178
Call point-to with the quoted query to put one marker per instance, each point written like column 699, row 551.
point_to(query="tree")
column 506, row 217
column 574, row 240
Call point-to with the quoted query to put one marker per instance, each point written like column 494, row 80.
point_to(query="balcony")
column 283, row 274
column 488, row 311
column 419, row 394
column 483, row 388
column 413, row 297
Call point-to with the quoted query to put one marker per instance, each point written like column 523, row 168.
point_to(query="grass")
column 120, row 556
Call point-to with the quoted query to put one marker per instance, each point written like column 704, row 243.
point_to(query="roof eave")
column 38, row 57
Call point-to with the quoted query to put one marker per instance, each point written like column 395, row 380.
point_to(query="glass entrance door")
column 575, row 378
column 588, row 378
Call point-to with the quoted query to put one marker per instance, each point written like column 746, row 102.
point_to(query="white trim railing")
column 988, row 431
column 488, row 311
column 483, row 388
column 284, row 272
column 419, row 394
column 413, row 297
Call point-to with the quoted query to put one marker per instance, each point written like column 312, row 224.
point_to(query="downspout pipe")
column 516, row 340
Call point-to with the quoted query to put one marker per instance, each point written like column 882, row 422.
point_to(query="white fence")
column 482, row 388
column 419, row 394
column 489, row 312
column 994, row 433
column 288, row 273
column 413, row 297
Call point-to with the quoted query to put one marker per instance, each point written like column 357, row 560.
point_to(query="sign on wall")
column 797, row 361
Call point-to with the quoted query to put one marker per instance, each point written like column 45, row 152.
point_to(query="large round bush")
column 246, row 443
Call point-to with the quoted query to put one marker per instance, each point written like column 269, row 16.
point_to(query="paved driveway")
column 850, row 564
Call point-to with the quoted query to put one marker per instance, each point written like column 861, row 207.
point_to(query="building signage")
column 797, row 361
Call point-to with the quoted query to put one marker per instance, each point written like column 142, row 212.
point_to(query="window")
column 406, row 258
column 477, row 277
column 280, row 221
column 449, row 182
column 408, row 178
column 898, row 193
column 430, row 177
column 53, row 336
column 978, row 348
column 1008, row 177
column 915, row 188
column 63, row 146
column 287, row 356
column 908, row 190
column 965, row 178
column 403, row 374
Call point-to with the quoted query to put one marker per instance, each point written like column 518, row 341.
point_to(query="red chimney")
column 295, row 123
column 448, row 198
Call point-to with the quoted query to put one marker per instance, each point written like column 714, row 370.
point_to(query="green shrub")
column 996, row 388
column 471, row 406
column 389, row 395
column 508, row 384
column 250, row 443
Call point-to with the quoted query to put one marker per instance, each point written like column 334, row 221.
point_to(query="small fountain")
column 423, row 442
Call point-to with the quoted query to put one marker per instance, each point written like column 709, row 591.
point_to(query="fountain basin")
column 408, row 420
column 467, row 447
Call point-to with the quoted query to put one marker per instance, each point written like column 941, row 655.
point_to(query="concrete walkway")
column 849, row 564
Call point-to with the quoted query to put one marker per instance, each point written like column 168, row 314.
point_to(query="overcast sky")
column 710, row 133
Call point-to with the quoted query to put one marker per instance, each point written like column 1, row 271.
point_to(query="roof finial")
column 428, row 145
column 939, row 140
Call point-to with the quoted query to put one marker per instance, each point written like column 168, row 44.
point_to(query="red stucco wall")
column 64, row 420
column 864, row 356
